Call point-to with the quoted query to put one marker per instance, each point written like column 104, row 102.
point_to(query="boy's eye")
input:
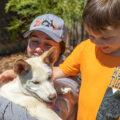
column 108, row 38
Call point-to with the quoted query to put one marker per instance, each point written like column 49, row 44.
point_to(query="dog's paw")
column 65, row 90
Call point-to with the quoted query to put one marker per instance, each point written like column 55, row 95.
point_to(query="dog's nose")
column 52, row 96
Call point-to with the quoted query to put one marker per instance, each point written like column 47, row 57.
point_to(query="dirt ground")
column 7, row 62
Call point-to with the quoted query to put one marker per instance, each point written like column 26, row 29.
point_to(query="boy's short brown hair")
column 98, row 15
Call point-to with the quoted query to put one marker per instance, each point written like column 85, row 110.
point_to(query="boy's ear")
column 21, row 67
column 49, row 57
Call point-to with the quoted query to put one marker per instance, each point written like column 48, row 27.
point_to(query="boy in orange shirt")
column 98, row 60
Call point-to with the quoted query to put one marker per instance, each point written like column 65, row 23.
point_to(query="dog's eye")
column 35, row 82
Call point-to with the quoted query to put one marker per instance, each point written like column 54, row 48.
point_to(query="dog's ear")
column 21, row 67
column 49, row 57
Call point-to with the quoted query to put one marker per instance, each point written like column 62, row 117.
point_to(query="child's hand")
column 58, row 73
column 7, row 76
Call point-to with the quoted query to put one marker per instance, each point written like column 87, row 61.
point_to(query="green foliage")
column 27, row 10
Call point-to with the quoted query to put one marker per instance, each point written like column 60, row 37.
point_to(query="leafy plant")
column 26, row 10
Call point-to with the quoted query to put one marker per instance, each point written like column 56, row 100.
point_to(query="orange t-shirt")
column 99, row 97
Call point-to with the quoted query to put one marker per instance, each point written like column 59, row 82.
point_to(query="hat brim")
column 49, row 33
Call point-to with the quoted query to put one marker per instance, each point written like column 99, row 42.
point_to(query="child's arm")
column 58, row 73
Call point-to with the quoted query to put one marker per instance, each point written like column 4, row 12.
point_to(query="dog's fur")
column 33, row 85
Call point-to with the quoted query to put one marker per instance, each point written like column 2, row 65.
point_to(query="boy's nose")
column 52, row 96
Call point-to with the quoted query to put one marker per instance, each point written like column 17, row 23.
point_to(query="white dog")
column 33, row 86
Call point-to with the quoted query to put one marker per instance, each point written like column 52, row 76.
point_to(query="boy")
column 98, row 60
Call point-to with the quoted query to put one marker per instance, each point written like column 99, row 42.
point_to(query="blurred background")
column 16, row 16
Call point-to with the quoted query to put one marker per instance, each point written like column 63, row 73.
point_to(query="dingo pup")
column 33, row 86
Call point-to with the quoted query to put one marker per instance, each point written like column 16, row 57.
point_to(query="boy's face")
column 108, row 41
column 39, row 43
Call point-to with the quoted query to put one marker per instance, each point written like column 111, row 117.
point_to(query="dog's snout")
column 52, row 96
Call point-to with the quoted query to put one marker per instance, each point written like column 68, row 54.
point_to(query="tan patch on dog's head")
column 49, row 57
